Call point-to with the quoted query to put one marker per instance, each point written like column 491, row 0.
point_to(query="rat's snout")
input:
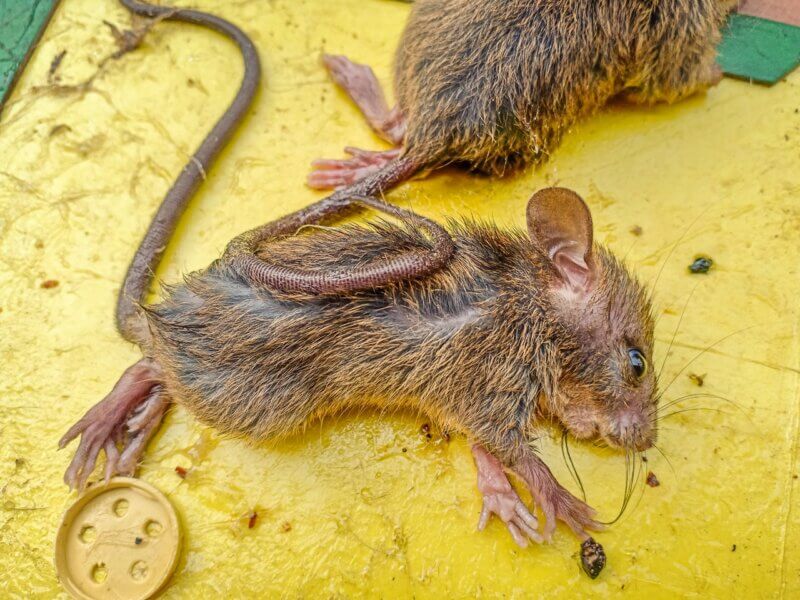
column 632, row 429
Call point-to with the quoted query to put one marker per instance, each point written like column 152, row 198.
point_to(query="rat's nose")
column 633, row 430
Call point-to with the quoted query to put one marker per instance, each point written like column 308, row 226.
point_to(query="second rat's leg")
column 364, row 89
column 121, row 424
column 499, row 498
column 360, row 83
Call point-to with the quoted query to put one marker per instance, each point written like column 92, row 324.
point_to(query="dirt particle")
column 644, row 458
column 56, row 129
column 137, row 541
column 696, row 379
column 425, row 429
column 652, row 480
column 39, row 244
column 182, row 472
column 251, row 520
column 636, row 230
column 701, row 265
column 54, row 64
column 49, row 284
column 445, row 436
column 733, row 548
column 405, row 449
column 286, row 527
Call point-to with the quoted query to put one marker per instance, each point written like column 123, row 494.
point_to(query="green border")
column 22, row 23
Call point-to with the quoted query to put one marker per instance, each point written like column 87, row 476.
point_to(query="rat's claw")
column 517, row 535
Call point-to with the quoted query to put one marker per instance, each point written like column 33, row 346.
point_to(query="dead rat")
column 501, row 331
column 495, row 84
column 512, row 331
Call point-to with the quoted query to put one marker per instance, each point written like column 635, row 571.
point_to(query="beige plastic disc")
column 120, row 540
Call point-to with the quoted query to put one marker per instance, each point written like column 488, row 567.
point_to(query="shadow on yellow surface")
column 343, row 511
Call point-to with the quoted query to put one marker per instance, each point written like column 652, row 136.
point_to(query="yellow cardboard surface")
column 342, row 510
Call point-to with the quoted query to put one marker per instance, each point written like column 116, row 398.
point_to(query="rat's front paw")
column 558, row 503
column 500, row 499
column 521, row 523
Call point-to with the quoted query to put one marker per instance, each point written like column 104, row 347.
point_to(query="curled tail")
column 148, row 255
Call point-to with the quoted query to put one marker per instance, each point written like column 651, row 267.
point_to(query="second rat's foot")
column 500, row 499
column 554, row 501
column 121, row 424
column 331, row 174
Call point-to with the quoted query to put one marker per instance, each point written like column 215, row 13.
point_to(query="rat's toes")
column 519, row 520
column 332, row 173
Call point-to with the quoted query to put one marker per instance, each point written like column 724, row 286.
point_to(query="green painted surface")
column 21, row 24
column 759, row 49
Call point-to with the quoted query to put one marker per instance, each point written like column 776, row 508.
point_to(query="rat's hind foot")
column 360, row 83
column 500, row 499
column 121, row 424
column 554, row 501
column 333, row 174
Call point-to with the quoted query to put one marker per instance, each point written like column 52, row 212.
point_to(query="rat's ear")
column 560, row 225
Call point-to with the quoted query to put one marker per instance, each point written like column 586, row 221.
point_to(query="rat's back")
column 264, row 363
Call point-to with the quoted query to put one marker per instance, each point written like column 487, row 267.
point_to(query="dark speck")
column 733, row 548
column 696, row 379
column 701, row 265
column 405, row 449
column 593, row 557
column 137, row 541
column 652, row 480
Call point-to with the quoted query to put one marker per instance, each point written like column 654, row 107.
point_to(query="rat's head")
column 605, row 384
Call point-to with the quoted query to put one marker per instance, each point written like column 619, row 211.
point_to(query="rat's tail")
column 148, row 255
column 241, row 251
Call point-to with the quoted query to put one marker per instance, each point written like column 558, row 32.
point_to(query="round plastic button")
column 120, row 540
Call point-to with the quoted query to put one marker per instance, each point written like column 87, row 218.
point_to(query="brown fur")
column 496, row 83
column 487, row 346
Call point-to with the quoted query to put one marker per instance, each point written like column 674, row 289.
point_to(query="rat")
column 512, row 331
column 537, row 328
column 495, row 84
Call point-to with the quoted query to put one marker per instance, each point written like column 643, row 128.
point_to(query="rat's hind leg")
column 363, row 88
column 360, row 83
column 329, row 174
column 121, row 424
column 500, row 499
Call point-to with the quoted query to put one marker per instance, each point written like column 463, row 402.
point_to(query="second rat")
column 494, row 84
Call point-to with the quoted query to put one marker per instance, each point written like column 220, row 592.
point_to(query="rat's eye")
column 638, row 362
